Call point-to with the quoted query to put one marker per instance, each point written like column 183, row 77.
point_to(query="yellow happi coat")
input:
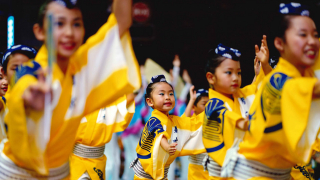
column 101, row 71
column 195, row 171
column 96, row 130
column 222, row 113
column 284, row 119
column 186, row 132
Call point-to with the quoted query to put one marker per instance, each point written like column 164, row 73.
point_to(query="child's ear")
column 149, row 102
column 193, row 107
column 278, row 43
column 38, row 32
column 211, row 78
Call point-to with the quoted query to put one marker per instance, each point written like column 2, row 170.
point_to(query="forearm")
column 122, row 10
column 266, row 68
column 164, row 144
column 189, row 108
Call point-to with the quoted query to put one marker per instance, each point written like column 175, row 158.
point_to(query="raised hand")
column 193, row 94
column 176, row 61
column 186, row 77
column 262, row 54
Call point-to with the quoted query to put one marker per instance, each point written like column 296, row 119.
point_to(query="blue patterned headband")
column 294, row 9
column 201, row 92
column 67, row 3
column 29, row 51
column 158, row 78
column 228, row 52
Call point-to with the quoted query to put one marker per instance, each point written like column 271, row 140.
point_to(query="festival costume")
column 283, row 129
column 153, row 161
column 94, row 132
column 104, row 61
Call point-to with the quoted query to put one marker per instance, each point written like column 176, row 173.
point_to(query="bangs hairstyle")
column 150, row 88
column 213, row 61
column 199, row 98
column 30, row 55
column 43, row 10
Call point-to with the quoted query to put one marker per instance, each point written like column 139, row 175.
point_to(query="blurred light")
column 10, row 31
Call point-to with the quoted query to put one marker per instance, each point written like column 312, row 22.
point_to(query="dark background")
column 185, row 27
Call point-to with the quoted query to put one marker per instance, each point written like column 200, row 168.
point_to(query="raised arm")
column 263, row 55
column 193, row 97
column 122, row 10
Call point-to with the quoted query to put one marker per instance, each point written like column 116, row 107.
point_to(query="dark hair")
column 43, row 10
column 30, row 55
column 199, row 98
column 150, row 88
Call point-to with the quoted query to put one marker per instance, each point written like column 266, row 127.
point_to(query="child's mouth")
column 168, row 104
column 68, row 46
column 311, row 54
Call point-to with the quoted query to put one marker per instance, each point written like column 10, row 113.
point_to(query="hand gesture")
column 34, row 95
column 263, row 54
column 193, row 94
column 257, row 66
column 172, row 148
column 186, row 77
column 176, row 61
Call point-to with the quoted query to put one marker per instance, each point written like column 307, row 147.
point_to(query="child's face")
column 302, row 44
column 15, row 60
column 3, row 83
column 227, row 78
column 68, row 31
column 162, row 98
column 201, row 105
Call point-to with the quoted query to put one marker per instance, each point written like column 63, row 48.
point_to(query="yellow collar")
column 290, row 70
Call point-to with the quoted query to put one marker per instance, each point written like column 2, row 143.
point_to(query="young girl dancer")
column 82, row 77
column 197, row 103
column 228, row 105
column 184, row 134
column 284, row 117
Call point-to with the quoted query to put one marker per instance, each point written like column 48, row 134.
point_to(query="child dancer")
column 197, row 103
column 3, row 90
column 284, row 118
column 184, row 134
column 82, row 77
column 220, row 129
column 95, row 130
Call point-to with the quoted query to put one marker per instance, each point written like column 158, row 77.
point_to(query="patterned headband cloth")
column 70, row 4
column 158, row 78
column 201, row 92
column 294, row 9
column 228, row 52
column 29, row 50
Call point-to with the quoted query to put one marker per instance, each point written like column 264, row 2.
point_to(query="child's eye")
column 59, row 23
column 303, row 35
column 171, row 94
column 77, row 25
column 228, row 72
column 316, row 35
column 239, row 73
column 161, row 94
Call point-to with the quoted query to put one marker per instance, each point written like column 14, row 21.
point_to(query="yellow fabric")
column 196, row 172
column 96, row 130
column 186, row 132
column 278, row 118
column 226, row 122
column 300, row 172
column 101, row 71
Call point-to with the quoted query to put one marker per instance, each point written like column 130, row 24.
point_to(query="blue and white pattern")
column 27, row 49
column 201, row 92
column 70, row 4
column 158, row 78
column 294, row 9
column 228, row 52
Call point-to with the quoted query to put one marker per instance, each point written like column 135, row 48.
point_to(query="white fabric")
column 85, row 176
